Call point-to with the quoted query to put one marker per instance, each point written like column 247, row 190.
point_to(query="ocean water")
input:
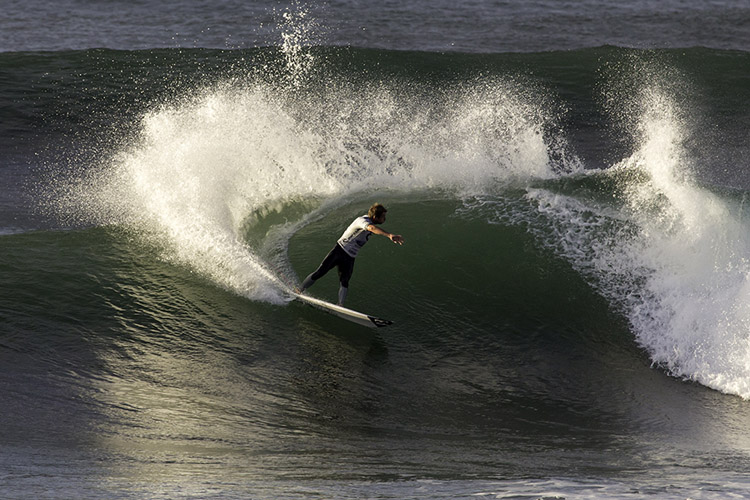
column 571, row 304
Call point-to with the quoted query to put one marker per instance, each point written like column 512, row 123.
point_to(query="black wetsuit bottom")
column 337, row 257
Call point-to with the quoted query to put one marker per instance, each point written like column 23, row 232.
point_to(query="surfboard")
column 343, row 312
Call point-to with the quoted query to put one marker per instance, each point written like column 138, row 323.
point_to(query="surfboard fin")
column 380, row 322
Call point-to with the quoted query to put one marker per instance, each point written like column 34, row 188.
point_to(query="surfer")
column 346, row 248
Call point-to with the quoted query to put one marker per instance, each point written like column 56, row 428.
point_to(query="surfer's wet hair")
column 376, row 210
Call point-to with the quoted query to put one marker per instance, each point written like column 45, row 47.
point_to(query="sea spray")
column 669, row 253
column 204, row 162
column 698, row 322
column 298, row 30
column 202, row 168
column 688, row 309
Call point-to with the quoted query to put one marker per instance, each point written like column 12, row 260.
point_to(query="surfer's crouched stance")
column 346, row 248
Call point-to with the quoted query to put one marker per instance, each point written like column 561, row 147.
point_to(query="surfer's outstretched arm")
column 396, row 238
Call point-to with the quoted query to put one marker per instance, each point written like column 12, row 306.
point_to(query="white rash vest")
column 355, row 236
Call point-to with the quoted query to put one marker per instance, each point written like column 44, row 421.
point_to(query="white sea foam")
column 697, row 246
column 673, row 255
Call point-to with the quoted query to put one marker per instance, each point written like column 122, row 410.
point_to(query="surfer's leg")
column 307, row 283
column 328, row 263
column 342, row 294
column 346, row 268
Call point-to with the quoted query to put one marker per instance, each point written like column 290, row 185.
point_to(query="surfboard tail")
column 343, row 312
column 379, row 322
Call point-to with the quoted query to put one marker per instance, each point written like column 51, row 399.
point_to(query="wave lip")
column 669, row 253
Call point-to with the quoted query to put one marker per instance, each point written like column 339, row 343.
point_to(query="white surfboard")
column 343, row 312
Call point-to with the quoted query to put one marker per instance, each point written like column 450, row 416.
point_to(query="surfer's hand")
column 397, row 239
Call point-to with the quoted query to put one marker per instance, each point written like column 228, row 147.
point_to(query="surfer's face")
column 379, row 220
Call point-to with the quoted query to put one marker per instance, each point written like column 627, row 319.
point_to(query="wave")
column 219, row 173
column 670, row 254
